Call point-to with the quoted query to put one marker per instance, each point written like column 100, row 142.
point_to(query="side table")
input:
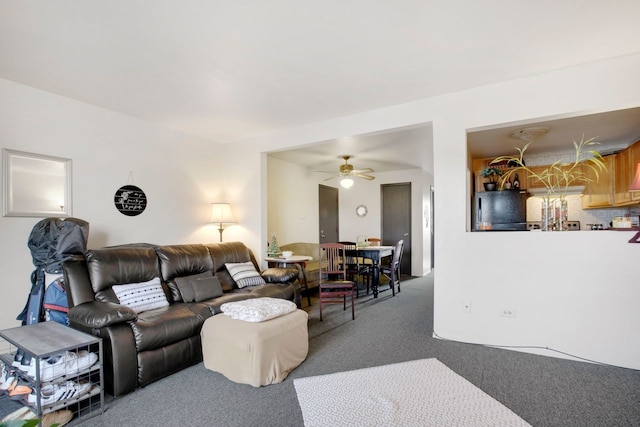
column 299, row 261
column 46, row 342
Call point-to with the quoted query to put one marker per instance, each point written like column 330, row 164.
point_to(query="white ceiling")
column 227, row 70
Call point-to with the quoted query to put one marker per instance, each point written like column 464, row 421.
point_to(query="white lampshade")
column 635, row 185
column 346, row 182
column 221, row 213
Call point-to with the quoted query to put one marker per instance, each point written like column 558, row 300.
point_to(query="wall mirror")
column 36, row 185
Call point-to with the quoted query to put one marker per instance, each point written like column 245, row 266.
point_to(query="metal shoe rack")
column 43, row 340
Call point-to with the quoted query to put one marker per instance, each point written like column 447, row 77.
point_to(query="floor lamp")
column 221, row 214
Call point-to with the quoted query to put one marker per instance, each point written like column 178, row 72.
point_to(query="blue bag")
column 55, row 301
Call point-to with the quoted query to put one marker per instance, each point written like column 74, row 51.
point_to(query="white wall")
column 180, row 175
column 292, row 200
column 574, row 292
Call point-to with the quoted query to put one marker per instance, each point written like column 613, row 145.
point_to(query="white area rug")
column 417, row 393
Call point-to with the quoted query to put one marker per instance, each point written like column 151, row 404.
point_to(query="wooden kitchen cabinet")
column 599, row 192
column 538, row 170
column 622, row 177
column 634, row 159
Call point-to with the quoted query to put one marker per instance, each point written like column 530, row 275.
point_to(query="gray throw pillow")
column 206, row 288
column 198, row 287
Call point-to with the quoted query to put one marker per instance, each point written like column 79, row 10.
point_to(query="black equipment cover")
column 52, row 241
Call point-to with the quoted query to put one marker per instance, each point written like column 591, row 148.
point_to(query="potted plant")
column 493, row 174
column 558, row 177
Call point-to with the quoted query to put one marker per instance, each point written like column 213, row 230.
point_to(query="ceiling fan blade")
column 359, row 175
column 365, row 170
column 330, row 178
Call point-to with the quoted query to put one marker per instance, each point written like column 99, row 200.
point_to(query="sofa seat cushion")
column 273, row 291
column 166, row 325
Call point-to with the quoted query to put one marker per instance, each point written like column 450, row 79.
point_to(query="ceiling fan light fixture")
column 346, row 182
column 530, row 134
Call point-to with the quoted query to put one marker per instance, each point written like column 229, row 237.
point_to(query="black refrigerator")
column 505, row 210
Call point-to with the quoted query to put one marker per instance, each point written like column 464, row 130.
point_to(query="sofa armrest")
column 279, row 275
column 100, row 314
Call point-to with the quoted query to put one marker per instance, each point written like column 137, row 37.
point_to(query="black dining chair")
column 356, row 269
column 391, row 270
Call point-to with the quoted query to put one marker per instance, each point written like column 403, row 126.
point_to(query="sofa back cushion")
column 120, row 265
column 229, row 252
column 182, row 261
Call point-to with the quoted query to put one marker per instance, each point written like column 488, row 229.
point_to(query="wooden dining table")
column 375, row 254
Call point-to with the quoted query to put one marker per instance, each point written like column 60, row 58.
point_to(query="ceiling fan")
column 347, row 171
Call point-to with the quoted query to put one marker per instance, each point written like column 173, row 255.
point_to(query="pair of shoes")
column 9, row 383
column 5, row 373
column 58, row 418
column 22, row 361
column 53, row 393
column 64, row 364
column 20, row 390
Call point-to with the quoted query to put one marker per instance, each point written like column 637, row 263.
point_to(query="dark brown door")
column 396, row 219
column 328, row 214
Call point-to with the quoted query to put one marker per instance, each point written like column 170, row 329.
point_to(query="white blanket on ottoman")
column 257, row 309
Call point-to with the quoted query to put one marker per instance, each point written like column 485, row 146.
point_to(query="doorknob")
column 405, row 234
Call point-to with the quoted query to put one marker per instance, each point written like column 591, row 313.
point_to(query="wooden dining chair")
column 333, row 287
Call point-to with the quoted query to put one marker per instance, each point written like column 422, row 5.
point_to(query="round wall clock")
column 130, row 200
column 361, row 211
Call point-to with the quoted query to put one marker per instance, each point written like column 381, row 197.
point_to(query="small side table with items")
column 50, row 367
column 299, row 261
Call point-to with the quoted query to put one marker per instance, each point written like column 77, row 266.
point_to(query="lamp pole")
column 220, row 229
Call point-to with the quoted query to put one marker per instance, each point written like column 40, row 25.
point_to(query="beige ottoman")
column 255, row 353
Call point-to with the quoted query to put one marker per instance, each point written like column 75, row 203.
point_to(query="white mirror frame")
column 36, row 185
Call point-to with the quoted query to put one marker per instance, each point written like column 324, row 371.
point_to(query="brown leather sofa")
column 140, row 348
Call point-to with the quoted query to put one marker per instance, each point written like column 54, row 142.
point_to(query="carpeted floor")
column 543, row 391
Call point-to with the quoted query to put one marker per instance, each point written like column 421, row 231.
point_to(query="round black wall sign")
column 130, row 200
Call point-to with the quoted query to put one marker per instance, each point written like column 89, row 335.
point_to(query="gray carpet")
column 543, row 391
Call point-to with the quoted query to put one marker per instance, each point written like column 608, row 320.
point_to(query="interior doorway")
column 328, row 214
column 395, row 200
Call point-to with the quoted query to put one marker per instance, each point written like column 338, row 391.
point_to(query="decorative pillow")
column 185, row 285
column 257, row 309
column 206, row 288
column 244, row 274
column 141, row 296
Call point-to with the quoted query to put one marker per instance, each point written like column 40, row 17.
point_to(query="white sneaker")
column 84, row 361
column 5, row 373
column 53, row 393
column 51, row 367
column 8, row 382
column 66, row 364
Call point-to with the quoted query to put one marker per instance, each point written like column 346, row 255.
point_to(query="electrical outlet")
column 466, row 307
column 507, row 312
